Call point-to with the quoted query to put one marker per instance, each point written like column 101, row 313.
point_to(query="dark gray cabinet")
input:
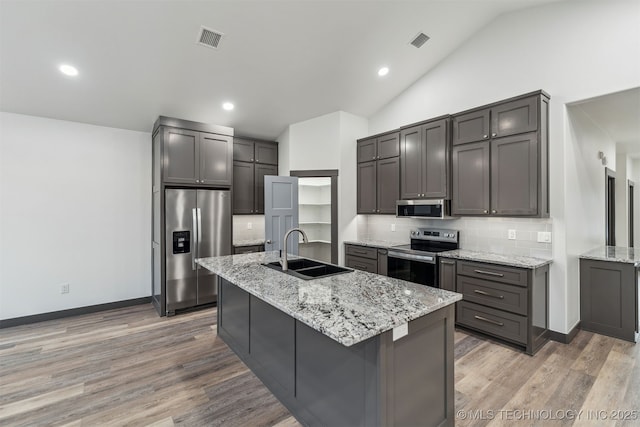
column 447, row 274
column 471, row 192
column 237, row 250
column 252, row 160
column 507, row 303
column 197, row 158
column 506, row 118
column 233, row 316
column 504, row 171
column 366, row 258
column 425, row 160
column 378, row 186
column 609, row 298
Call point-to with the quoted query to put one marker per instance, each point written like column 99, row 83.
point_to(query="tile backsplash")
column 240, row 227
column 483, row 234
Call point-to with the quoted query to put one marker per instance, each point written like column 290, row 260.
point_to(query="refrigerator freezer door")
column 180, row 227
column 214, row 231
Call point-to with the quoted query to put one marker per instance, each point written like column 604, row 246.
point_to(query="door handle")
column 268, row 242
column 199, row 216
column 478, row 291
column 489, row 273
column 194, row 240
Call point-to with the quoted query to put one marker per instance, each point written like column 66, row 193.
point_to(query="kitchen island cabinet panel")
column 272, row 342
column 233, row 317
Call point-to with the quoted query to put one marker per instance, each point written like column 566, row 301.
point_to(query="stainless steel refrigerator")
column 197, row 225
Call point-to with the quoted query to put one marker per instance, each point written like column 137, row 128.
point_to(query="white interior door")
column 280, row 212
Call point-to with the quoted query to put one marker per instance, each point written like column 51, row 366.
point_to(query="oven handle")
column 427, row 259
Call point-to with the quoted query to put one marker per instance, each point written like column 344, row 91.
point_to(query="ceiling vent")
column 419, row 40
column 209, row 38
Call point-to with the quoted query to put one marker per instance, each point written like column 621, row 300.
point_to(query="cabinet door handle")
column 494, row 134
column 489, row 273
column 494, row 211
column 478, row 291
column 197, row 180
column 374, row 157
column 493, row 322
column 485, row 136
column 251, row 160
column 268, row 242
column 486, row 211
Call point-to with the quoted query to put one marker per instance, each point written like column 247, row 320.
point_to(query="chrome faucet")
column 283, row 261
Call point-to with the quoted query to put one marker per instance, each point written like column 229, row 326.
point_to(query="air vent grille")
column 209, row 38
column 419, row 40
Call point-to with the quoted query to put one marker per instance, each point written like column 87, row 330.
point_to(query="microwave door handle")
column 194, row 239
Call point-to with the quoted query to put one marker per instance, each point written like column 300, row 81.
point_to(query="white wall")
column 75, row 207
column 574, row 50
column 328, row 142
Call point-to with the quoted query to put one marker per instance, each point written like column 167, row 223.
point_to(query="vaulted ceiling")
column 279, row 62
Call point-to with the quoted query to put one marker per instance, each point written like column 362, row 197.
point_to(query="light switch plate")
column 544, row 236
column 512, row 234
column 249, row 226
column 393, row 227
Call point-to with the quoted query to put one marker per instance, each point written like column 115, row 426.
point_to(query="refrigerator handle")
column 194, row 239
column 199, row 215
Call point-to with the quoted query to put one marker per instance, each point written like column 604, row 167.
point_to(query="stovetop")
column 430, row 240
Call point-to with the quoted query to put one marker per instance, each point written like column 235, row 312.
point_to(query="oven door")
column 421, row 269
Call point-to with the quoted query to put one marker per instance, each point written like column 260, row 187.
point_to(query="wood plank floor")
column 131, row 367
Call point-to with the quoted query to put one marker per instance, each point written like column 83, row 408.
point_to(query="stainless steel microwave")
column 427, row 209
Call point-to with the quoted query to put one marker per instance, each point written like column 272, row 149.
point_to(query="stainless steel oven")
column 418, row 261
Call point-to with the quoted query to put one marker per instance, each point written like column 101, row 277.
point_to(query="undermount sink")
column 308, row 269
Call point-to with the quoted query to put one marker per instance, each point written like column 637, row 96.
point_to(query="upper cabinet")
column 502, row 169
column 378, row 174
column 503, row 119
column 425, row 159
column 192, row 156
column 252, row 160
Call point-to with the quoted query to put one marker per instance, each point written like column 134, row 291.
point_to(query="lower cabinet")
column 609, row 299
column 366, row 258
column 507, row 303
column 247, row 249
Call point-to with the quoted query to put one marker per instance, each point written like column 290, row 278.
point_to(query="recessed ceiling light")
column 383, row 71
column 228, row 106
column 68, row 70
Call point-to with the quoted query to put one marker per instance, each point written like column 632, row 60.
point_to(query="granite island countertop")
column 248, row 242
column 349, row 308
column 614, row 254
column 502, row 259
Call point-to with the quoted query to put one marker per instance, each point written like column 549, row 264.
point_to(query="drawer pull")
column 447, row 262
column 363, row 267
column 478, row 291
column 489, row 273
column 493, row 322
column 355, row 251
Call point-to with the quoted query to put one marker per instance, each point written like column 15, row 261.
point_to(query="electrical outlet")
column 512, row 234
column 393, row 227
column 64, row 288
column 249, row 226
column 544, row 236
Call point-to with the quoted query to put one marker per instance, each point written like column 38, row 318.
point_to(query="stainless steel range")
column 418, row 261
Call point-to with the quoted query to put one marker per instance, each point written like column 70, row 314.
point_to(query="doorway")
column 631, row 201
column 610, row 188
column 318, row 201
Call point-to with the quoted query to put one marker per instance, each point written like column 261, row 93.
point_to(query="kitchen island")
column 349, row 349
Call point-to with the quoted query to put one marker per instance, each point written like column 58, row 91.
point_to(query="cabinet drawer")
column 496, row 273
column 493, row 322
column 362, row 251
column 363, row 264
column 493, row 294
column 237, row 250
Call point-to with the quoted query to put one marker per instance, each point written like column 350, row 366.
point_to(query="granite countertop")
column 248, row 242
column 382, row 244
column 348, row 308
column 502, row 259
column 614, row 254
